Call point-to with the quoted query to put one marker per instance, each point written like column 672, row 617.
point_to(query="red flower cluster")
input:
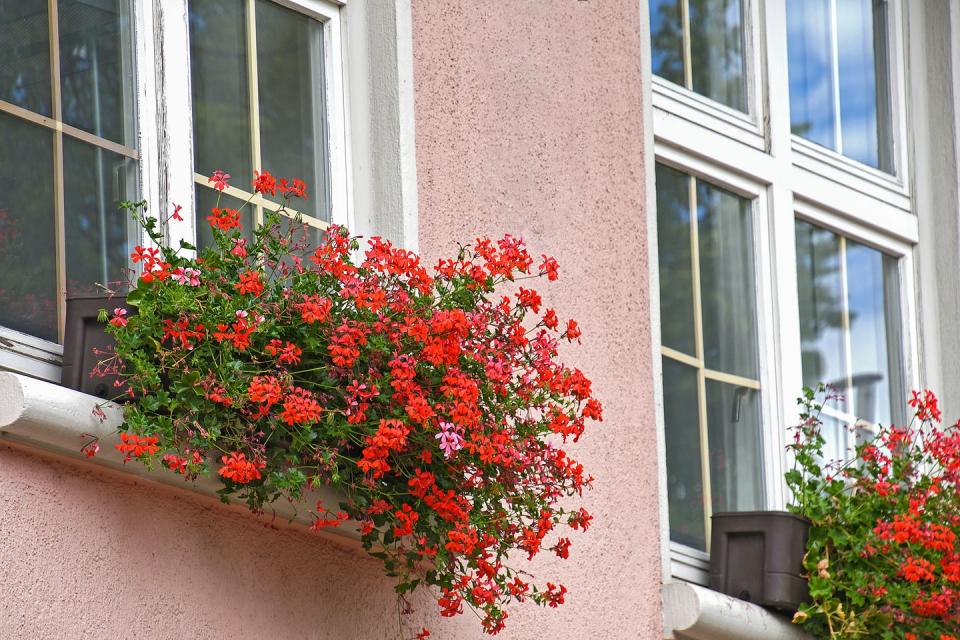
column 250, row 283
column 265, row 390
column 155, row 267
column 224, row 219
column 237, row 468
column 286, row 352
column 300, row 407
column 134, row 446
column 237, row 333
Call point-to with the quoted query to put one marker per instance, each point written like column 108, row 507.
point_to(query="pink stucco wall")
column 528, row 116
column 529, row 122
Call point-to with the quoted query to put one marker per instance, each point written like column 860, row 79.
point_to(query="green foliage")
column 881, row 558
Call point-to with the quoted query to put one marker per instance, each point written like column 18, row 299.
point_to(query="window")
column 849, row 330
column 699, row 44
column 259, row 101
column 69, row 155
column 780, row 262
column 709, row 348
column 839, row 77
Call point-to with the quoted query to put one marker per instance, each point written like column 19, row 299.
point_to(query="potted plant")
column 435, row 406
column 883, row 555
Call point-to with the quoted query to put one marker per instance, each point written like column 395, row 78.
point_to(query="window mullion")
column 687, row 45
column 253, row 81
column 701, row 377
column 845, row 325
column 58, row 199
column 835, row 85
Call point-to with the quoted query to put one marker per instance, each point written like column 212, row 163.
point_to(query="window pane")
column 839, row 77
column 716, row 50
column 97, row 230
column 869, row 370
column 96, row 68
column 838, row 438
column 736, row 462
column 684, row 479
column 207, row 199
column 28, row 273
column 304, row 238
column 676, row 266
column 810, row 63
column 666, row 36
column 820, row 297
column 290, row 80
column 716, row 47
column 25, row 54
column 221, row 102
column 862, row 62
column 874, row 336
column 728, row 293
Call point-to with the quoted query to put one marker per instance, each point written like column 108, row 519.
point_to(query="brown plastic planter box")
column 83, row 337
column 757, row 556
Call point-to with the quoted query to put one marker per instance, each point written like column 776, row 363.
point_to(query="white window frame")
column 787, row 178
column 369, row 85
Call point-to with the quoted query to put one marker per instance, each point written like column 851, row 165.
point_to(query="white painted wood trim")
column 691, row 612
column 653, row 285
column 47, row 416
column 378, row 86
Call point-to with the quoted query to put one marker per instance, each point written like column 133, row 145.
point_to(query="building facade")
column 745, row 197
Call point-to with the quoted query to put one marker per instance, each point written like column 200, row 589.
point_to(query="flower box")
column 757, row 556
column 85, row 341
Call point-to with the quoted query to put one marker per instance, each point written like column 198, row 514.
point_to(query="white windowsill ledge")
column 691, row 612
column 48, row 416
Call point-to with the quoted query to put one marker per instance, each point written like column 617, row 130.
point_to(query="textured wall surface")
column 528, row 121
column 90, row 553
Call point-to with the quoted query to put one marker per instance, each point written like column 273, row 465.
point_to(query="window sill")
column 44, row 415
column 691, row 612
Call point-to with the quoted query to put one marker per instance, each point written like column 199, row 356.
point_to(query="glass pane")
column 839, row 439
column 221, row 102
column 96, row 67
column 736, row 462
column 98, row 231
column 25, row 54
column 304, row 238
column 666, row 37
column 716, row 51
column 863, row 66
column 28, row 272
column 820, row 297
column 291, row 87
column 728, row 292
column 874, row 337
column 811, row 71
column 676, row 268
column 839, row 77
column 684, row 479
column 207, row 199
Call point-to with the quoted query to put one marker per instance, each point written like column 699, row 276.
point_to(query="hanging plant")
column 883, row 555
column 436, row 407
